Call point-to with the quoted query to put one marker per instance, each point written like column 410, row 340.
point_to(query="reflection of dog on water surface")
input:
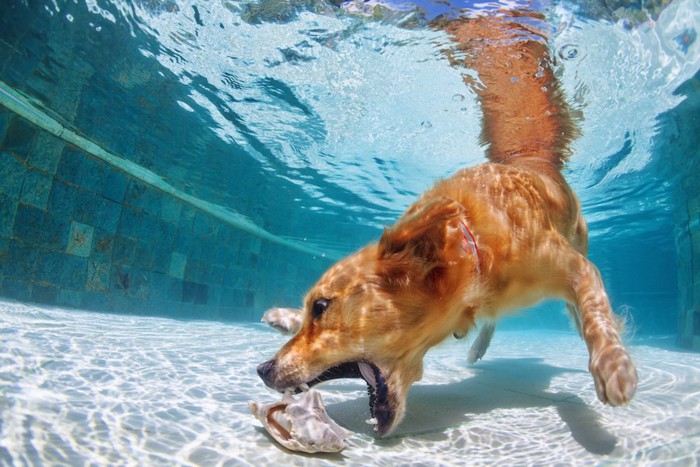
column 487, row 241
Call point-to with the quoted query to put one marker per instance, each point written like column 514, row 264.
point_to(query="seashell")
column 301, row 425
column 285, row 320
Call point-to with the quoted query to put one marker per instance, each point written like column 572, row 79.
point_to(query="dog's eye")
column 319, row 307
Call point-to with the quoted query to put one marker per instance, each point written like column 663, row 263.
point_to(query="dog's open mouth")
column 381, row 411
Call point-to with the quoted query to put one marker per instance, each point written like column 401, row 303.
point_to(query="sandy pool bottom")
column 81, row 388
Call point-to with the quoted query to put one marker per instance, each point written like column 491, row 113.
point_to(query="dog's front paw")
column 614, row 375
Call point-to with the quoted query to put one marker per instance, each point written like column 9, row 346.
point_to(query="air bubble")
column 569, row 52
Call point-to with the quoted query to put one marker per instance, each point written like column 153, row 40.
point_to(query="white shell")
column 301, row 425
column 285, row 320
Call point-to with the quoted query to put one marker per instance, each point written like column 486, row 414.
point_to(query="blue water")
column 315, row 124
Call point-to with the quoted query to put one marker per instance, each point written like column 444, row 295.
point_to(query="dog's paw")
column 614, row 374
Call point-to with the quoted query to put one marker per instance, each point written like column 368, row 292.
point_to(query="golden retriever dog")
column 482, row 243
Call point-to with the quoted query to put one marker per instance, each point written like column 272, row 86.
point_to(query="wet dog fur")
column 485, row 242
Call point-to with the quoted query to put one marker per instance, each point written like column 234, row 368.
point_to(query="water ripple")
column 127, row 390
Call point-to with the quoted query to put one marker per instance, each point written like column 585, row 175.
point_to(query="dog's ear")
column 415, row 247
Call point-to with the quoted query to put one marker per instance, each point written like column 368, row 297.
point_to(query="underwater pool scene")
column 171, row 169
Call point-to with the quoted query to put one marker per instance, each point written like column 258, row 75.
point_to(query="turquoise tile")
column 19, row 138
column 106, row 215
column 21, row 260
column 98, row 275
column 12, row 171
column 80, row 239
column 62, row 199
column 36, row 188
column 28, row 224
column 55, row 232
column 73, row 272
column 8, row 208
column 45, row 294
column 70, row 167
column 46, row 153
column 70, row 298
column 124, row 250
column 4, row 121
column 16, row 289
column 130, row 222
column 102, row 244
column 49, row 267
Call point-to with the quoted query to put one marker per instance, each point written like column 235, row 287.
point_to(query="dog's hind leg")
column 478, row 348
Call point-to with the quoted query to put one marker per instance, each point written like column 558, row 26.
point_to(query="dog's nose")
column 265, row 370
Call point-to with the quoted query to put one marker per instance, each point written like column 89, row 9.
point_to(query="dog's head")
column 375, row 313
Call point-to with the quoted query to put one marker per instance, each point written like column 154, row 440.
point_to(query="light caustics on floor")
column 81, row 387
column 20, row 104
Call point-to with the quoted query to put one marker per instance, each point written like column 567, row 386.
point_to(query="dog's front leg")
column 612, row 368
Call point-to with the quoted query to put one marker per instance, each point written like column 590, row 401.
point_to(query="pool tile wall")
column 76, row 232
column 684, row 155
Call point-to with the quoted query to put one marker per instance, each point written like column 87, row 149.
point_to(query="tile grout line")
column 20, row 104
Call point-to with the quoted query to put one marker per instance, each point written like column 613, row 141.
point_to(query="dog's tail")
column 525, row 116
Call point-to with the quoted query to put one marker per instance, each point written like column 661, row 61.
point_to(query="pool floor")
column 81, row 388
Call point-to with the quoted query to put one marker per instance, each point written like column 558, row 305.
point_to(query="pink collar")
column 469, row 244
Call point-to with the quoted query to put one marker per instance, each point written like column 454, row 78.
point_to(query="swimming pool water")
column 178, row 166
column 83, row 388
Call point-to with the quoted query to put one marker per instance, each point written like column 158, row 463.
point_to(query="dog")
column 474, row 247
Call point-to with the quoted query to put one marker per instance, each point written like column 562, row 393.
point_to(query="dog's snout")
column 266, row 369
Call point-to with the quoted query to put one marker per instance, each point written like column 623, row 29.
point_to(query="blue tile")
column 183, row 241
column 49, row 267
column 21, row 260
column 103, row 245
column 4, row 252
column 130, row 222
column 86, row 206
column 114, row 186
column 120, row 279
column 15, row 289
column 144, row 197
column 46, row 153
column 205, row 226
column 55, row 232
column 107, row 215
column 12, row 172
column 98, row 275
column 69, row 298
column 171, row 209
column 80, row 239
column 20, row 137
column 45, row 294
column 124, row 248
column 4, row 121
column 36, row 188
column 70, row 167
column 97, row 301
column 161, row 259
column 99, row 177
column 144, row 256
column 28, row 224
column 74, row 272
column 187, row 215
column 139, row 286
column 62, row 199
column 8, row 208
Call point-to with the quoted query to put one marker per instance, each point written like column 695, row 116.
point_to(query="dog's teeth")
column 304, row 387
column 372, row 421
column 367, row 373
